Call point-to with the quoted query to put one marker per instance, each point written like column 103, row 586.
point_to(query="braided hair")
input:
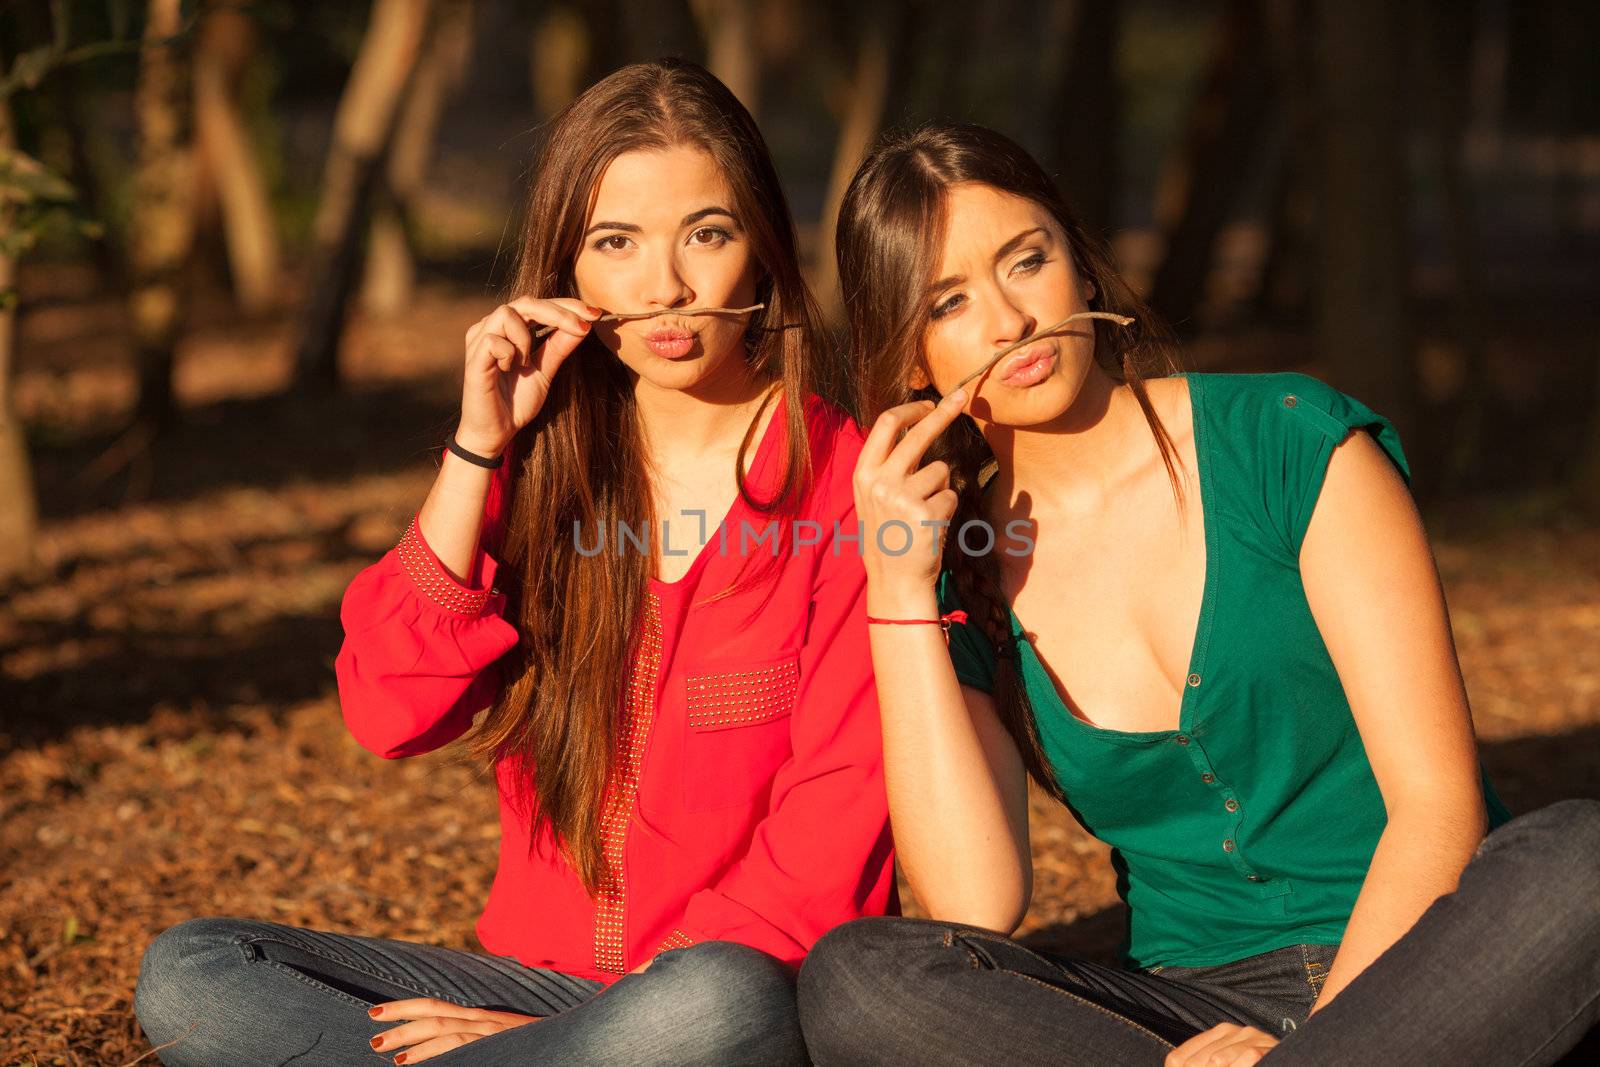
column 891, row 228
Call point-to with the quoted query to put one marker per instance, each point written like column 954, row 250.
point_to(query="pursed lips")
column 1026, row 358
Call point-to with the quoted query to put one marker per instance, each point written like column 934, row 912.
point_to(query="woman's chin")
column 1038, row 404
column 678, row 372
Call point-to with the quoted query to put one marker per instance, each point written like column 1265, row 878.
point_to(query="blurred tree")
column 631, row 32
column 20, row 516
column 363, row 130
column 162, row 230
column 1223, row 141
column 729, row 29
column 1362, row 277
column 32, row 198
column 390, row 265
column 861, row 103
column 227, row 160
column 560, row 57
column 1082, row 111
column 1443, row 36
column 1283, row 284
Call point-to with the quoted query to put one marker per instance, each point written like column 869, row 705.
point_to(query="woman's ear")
column 1091, row 293
column 919, row 376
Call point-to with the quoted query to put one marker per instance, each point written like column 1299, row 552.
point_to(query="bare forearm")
column 451, row 518
column 964, row 855
column 1419, row 858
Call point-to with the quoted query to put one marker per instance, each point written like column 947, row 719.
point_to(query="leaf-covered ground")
column 170, row 743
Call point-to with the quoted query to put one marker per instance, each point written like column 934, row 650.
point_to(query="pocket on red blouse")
column 737, row 731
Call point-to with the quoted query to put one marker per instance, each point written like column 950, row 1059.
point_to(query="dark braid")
column 977, row 577
column 891, row 225
column 977, row 582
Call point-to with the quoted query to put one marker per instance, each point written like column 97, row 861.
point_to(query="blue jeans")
column 1505, row 970
column 242, row 993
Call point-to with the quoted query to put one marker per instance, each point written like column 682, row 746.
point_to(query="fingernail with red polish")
column 376, row 1013
column 400, row 1058
column 375, row 1042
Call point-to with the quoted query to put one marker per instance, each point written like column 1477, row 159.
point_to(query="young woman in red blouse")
column 680, row 712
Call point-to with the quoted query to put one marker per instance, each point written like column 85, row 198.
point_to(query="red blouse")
column 749, row 803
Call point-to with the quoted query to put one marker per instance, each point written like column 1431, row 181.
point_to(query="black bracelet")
column 473, row 457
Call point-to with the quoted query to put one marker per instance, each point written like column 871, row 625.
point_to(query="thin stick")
column 1120, row 320
column 169, row 1044
column 628, row 316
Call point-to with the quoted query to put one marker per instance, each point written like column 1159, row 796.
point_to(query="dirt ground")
column 170, row 740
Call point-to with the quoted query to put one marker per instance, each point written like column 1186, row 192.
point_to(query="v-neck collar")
column 1202, row 637
column 755, row 479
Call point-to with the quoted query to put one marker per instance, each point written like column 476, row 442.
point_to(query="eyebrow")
column 1000, row 253
column 688, row 220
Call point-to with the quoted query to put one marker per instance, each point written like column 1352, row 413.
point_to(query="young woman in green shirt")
column 1201, row 611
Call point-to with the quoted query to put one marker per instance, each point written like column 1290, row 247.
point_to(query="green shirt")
column 1250, row 826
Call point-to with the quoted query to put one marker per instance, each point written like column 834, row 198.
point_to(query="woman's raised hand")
column 905, row 507
column 509, row 374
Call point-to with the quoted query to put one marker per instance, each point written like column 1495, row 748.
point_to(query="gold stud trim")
column 676, row 939
column 736, row 698
column 431, row 581
column 611, row 905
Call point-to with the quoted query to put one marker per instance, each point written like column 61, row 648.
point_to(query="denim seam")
column 1046, row 985
column 1097, row 1007
column 1315, row 976
column 361, row 968
column 1533, row 1057
column 313, row 983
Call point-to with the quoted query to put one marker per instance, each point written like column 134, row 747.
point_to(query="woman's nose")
column 665, row 287
column 1008, row 322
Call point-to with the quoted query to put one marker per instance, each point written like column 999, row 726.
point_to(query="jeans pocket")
column 1280, row 984
column 1317, row 960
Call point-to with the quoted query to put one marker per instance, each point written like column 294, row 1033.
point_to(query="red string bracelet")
column 943, row 621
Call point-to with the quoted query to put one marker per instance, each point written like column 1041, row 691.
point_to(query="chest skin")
column 682, row 511
column 691, row 498
column 1110, row 598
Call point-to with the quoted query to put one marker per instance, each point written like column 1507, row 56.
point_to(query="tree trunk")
column 866, row 98
column 228, row 160
column 1283, row 287
column 162, row 230
column 19, row 516
column 391, row 267
column 1083, row 109
column 1363, row 280
column 1444, row 36
column 1225, row 133
column 728, row 27
column 362, row 131
column 559, row 60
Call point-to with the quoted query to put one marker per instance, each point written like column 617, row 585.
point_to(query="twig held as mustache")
column 1120, row 320
column 628, row 316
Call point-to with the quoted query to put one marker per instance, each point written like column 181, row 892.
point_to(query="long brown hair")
column 581, row 463
column 891, row 231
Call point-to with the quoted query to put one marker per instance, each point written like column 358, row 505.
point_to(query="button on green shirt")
column 1252, row 825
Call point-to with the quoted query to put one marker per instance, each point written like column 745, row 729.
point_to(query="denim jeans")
column 1504, row 970
column 242, row 993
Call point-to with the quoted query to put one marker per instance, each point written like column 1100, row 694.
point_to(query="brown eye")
column 709, row 235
